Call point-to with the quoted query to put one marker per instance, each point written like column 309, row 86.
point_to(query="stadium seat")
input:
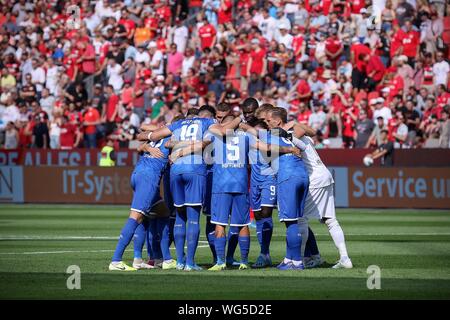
column 446, row 36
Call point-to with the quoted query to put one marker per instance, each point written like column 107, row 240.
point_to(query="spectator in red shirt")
column 333, row 47
column 225, row 11
column 91, row 118
column 110, row 113
column 357, row 53
column 375, row 71
column 70, row 136
column 410, row 43
column 207, row 34
column 303, row 114
column 257, row 62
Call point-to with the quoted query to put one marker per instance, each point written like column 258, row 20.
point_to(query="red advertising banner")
column 127, row 157
column 91, row 185
column 399, row 188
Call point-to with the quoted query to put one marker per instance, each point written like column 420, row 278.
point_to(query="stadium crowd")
column 76, row 72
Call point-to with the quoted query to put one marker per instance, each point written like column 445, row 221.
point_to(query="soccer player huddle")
column 213, row 162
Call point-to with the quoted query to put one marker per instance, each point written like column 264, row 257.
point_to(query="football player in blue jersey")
column 230, row 193
column 145, row 181
column 188, row 182
column 292, row 188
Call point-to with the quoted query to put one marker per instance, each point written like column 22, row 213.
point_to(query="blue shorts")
column 263, row 194
column 188, row 189
column 208, row 194
column 146, row 192
column 234, row 204
column 292, row 197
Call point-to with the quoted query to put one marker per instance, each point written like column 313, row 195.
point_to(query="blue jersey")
column 190, row 130
column 146, row 160
column 262, row 170
column 287, row 165
column 230, row 173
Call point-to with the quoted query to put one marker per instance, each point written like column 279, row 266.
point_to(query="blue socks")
column 210, row 236
column 193, row 233
column 140, row 235
column 125, row 237
column 179, row 235
column 154, row 239
column 293, row 241
column 220, row 249
column 233, row 239
column 163, row 232
column 244, row 245
column 311, row 248
column 264, row 230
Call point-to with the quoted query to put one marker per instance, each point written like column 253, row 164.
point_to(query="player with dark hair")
column 188, row 181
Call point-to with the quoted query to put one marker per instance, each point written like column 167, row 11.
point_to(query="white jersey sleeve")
column 319, row 175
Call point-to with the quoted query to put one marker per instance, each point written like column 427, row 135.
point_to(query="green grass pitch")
column 39, row 242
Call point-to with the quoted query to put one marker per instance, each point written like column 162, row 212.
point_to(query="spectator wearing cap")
column 363, row 22
column 380, row 110
column 142, row 55
column 405, row 71
column 284, row 37
column 156, row 60
column 257, row 63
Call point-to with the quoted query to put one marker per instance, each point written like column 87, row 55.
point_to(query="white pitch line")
column 71, row 251
column 15, row 237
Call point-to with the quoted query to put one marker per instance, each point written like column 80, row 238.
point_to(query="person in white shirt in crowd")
column 156, row 62
column 142, row 55
column 37, row 76
column 268, row 25
column 188, row 61
column 381, row 110
column 114, row 74
column 283, row 36
column 180, row 34
column 47, row 102
column 11, row 136
column 318, row 118
column 52, row 77
column 441, row 70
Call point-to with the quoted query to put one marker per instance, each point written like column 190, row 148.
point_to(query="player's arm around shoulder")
column 221, row 129
column 301, row 130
